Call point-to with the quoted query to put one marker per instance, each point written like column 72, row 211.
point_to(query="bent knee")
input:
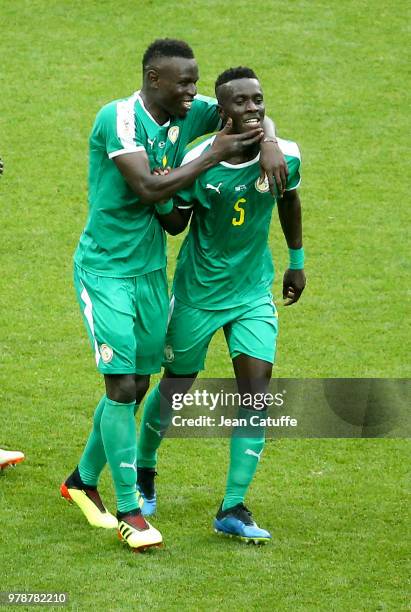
column 121, row 388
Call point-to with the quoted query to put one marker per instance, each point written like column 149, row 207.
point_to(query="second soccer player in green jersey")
column 223, row 280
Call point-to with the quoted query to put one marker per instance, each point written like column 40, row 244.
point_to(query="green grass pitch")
column 335, row 80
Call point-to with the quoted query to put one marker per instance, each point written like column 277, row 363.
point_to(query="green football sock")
column 154, row 423
column 245, row 451
column 93, row 458
column 118, row 432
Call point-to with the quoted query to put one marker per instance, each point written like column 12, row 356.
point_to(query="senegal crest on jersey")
column 262, row 185
column 173, row 133
column 168, row 353
column 106, row 353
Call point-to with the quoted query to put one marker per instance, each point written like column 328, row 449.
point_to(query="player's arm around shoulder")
column 152, row 189
column 272, row 160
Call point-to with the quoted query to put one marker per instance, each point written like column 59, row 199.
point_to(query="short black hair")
column 167, row 47
column 241, row 72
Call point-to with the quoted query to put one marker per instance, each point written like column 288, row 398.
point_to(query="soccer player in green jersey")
column 223, row 279
column 120, row 262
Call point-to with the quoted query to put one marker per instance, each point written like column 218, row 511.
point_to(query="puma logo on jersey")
column 248, row 451
column 150, row 142
column 217, row 189
column 132, row 466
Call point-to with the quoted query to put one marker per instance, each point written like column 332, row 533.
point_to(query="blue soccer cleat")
column 145, row 484
column 237, row 522
column 149, row 506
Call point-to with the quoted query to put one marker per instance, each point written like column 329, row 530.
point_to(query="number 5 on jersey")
column 239, row 209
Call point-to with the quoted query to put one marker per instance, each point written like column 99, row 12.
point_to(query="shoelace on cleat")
column 239, row 511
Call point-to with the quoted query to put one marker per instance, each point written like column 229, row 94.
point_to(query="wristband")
column 296, row 259
column 164, row 209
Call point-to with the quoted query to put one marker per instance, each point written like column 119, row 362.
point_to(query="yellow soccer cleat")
column 137, row 532
column 88, row 500
column 10, row 458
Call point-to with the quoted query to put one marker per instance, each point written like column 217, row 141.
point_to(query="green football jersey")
column 123, row 237
column 225, row 260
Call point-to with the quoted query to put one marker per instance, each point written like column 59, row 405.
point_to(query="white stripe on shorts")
column 88, row 313
column 171, row 309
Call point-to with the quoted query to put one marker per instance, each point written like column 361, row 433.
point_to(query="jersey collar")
column 250, row 162
column 140, row 100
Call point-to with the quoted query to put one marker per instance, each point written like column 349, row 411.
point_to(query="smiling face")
column 174, row 81
column 243, row 101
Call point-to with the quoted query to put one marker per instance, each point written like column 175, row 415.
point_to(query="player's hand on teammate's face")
column 227, row 144
column 293, row 286
column 274, row 166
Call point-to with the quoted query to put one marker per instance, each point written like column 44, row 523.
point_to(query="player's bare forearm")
column 152, row 188
column 176, row 221
column 289, row 212
column 272, row 161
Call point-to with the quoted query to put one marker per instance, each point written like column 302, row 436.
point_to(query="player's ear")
column 153, row 77
column 222, row 114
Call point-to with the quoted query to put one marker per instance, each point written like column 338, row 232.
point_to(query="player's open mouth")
column 187, row 104
column 252, row 122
